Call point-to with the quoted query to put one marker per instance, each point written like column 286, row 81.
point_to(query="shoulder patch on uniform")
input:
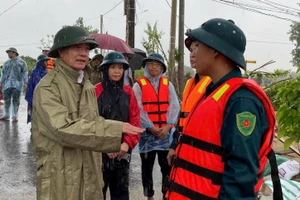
column 246, row 122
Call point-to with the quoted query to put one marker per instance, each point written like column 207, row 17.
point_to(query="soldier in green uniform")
column 229, row 129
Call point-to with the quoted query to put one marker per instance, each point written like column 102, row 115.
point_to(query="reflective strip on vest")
column 199, row 162
column 156, row 105
column 192, row 93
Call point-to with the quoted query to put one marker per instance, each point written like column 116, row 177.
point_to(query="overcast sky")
column 24, row 25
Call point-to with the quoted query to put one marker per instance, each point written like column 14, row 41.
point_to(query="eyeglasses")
column 153, row 64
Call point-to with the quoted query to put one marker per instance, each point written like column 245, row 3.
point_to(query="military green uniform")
column 245, row 121
column 68, row 133
column 242, row 161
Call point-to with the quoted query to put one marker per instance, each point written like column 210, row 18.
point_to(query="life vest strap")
column 155, row 102
column 215, row 177
column 202, row 145
column 157, row 112
column 277, row 190
column 191, row 194
column 159, row 122
column 184, row 114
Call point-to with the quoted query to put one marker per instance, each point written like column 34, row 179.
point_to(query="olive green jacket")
column 68, row 136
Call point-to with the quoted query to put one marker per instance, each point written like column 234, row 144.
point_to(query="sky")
column 24, row 25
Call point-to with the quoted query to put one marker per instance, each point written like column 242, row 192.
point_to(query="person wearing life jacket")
column 194, row 89
column 227, row 138
column 50, row 62
column 159, row 108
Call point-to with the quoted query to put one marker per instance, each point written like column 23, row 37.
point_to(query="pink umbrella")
column 110, row 42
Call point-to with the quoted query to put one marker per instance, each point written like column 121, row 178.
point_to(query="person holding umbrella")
column 117, row 101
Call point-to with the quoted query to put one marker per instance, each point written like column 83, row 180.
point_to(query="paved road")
column 17, row 163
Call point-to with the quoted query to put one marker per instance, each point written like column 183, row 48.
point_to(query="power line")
column 10, row 8
column 113, row 8
column 19, row 45
column 237, row 5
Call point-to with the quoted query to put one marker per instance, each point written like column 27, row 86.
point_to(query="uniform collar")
column 70, row 73
column 235, row 73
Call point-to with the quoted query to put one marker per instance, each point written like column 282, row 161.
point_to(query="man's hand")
column 25, row 86
column 163, row 131
column 129, row 129
column 170, row 156
column 124, row 149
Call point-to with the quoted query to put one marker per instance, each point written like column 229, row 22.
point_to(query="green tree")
column 80, row 22
column 31, row 62
column 295, row 37
column 47, row 42
column 288, row 114
column 152, row 42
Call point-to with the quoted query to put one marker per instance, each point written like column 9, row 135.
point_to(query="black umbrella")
column 135, row 60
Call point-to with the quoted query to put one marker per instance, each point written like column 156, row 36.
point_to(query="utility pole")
column 130, row 22
column 181, row 48
column 171, row 67
column 101, row 29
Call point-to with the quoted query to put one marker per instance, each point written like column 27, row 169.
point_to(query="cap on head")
column 45, row 49
column 155, row 57
column 114, row 58
column 12, row 49
column 223, row 36
column 42, row 57
column 69, row 36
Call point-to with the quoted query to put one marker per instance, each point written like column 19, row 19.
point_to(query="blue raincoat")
column 37, row 74
column 149, row 142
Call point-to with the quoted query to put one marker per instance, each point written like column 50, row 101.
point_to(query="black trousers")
column 148, row 160
column 116, row 178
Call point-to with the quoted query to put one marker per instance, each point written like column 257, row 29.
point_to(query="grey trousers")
column 11, row 95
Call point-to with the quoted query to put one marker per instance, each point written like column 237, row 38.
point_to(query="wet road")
column 17, row 163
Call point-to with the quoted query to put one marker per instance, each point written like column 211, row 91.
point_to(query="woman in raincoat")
column 159, row 107
column 36, row 75
column 117, row 101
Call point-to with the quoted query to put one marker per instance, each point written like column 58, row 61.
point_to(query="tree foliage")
column 152, row 43
column 48, row 41
column 288, row 114
column 31, row 62
column 295, row 37
column 80, row 22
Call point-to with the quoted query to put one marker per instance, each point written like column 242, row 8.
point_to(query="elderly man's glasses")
column 154, row 64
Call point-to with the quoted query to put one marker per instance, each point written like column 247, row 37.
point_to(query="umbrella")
column 110, row 42
column 135, row 61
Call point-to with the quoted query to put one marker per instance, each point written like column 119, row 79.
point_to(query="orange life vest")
column 156, row 105
column 199, row 163
column 192, row 92
column 50, row 64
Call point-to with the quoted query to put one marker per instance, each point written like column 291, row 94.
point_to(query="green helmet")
column 68, row 36
column 156, row 57
column 223, row 36
column 42, row 57
column 114, row 58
